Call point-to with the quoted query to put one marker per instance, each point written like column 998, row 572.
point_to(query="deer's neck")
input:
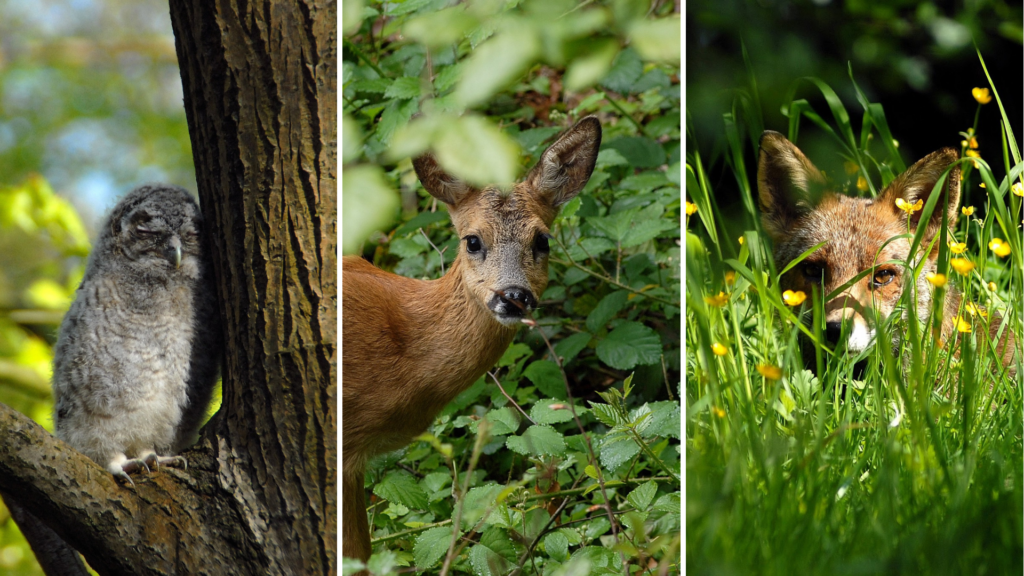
column 459, row 337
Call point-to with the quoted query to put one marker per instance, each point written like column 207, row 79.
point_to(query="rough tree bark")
column 259, row 496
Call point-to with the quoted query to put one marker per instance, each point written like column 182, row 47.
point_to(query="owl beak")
column 173, row 252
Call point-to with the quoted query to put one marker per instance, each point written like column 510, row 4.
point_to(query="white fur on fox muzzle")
column 860, row 337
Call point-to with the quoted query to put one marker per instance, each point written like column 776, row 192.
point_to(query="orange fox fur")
column 798, row 212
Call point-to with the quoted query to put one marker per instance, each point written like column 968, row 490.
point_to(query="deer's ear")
column 439, row 184
column 918, row 182
column 788, row 184
column 566, row 166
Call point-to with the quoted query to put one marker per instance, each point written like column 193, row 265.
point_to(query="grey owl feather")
column 139, row 350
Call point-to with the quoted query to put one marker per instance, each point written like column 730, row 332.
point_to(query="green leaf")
column 505, row 421
column 611, row 157
column 642, row 496
column 370, row 204
column 599, row 557
column 540, row 440
column 487, row 562
column 606, row 309
column 422, row 220
column 431, row 546
column 401, row 487
column 407, row 247
column 571, row 346
column 497, row 63
column 657, row 40
column 606, row 414
column 630, row 344
column 646, row 229
column 498, row 540
column 664, row 421
column 615, row 226
column 479, row 500
column 590, row 247
column 625, row 71
column 557, row 546
column 404, row 88
column 591, row 66
column 395, row 115
column 547, row 377
column 641, row 152
column 474, row 149
column 543, row 413
column 617, row 449
column 441, row 28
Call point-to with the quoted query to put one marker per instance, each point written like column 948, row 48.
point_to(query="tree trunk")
column 259, row 495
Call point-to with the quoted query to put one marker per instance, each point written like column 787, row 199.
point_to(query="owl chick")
column 139, row 350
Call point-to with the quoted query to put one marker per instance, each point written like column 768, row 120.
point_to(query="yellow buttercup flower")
column 718, row 300
column 962, row 325
column 730, row 277
column 963, row 266
column 691, row 208
column 981, row 95
column 967, row 210
column 908, row 207
column 957, row 247
column 1000, row 247
column 937, row 280
column 992, row 286
column 769, row 371
column 718, row 411
column 741, row 240
column 862, row 183
column 850, row 167
column 982, row 185
column 975, row 310
column 1018, row 189
column 719, row 350
column 972, row 154
column 792, row 298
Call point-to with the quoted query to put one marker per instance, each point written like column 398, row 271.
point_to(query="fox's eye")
column 883, row 277
column 812, row 272
column 473, row 244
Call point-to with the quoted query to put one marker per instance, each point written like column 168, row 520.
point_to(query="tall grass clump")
column 906, row 459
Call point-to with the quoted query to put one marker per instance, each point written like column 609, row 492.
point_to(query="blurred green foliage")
column 43, row 246
column 486, row 86
column 90, row 97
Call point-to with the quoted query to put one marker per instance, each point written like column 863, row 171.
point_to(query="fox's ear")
column 918, row 182
column 788, row 185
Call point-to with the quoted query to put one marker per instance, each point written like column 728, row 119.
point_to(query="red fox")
column 799, row 212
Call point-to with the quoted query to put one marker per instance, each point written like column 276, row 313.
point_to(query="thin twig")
column 611, row 281
column 558, row 512
column 518, row 407
column 439, row 252
column 590, row 449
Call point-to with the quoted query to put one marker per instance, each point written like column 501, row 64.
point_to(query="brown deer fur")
column 410, row 346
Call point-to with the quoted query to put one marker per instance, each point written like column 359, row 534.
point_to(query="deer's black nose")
column 519, row 298
column 832, row 331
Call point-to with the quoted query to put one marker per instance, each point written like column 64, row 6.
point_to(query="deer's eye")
column 812, row 272
column 883, row 277
column 473, row 244
column 541, row 245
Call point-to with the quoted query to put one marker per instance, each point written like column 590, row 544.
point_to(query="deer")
column 410, row 346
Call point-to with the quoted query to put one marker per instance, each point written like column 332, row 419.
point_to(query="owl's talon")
column 124, row 477
column 135, row 465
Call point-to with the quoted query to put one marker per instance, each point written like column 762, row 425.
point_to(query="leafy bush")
column 912, row 465
column 487, row 86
